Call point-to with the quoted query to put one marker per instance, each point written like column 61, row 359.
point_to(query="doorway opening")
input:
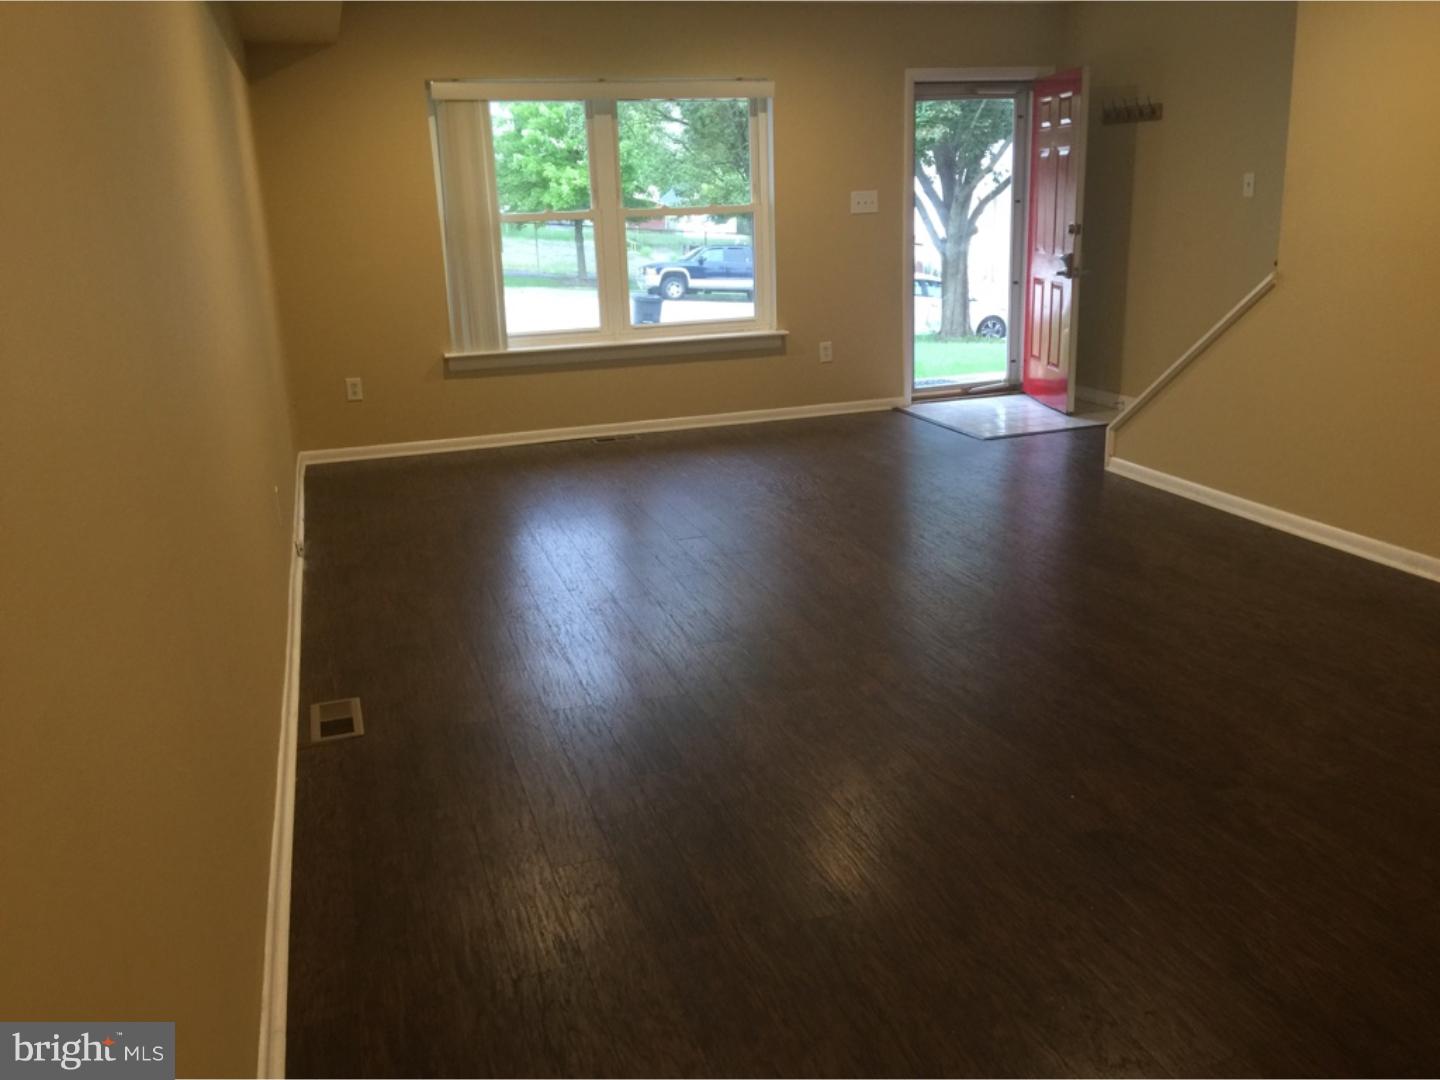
column 968, row 156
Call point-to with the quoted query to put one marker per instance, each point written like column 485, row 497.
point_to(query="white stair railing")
column 1206, row 340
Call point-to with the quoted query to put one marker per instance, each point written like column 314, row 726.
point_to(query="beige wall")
column 1170, row 244
column 1325, row 399
column 143, row 546
column 346, row 163
column 345, row 158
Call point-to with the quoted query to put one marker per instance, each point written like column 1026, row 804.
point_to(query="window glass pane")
column 549, row 270
column 542, row 161
column 691, row 269
column 693, row 152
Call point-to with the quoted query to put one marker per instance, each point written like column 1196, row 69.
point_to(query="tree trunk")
column 580, row 270
column 955, row 290
column 955, row 269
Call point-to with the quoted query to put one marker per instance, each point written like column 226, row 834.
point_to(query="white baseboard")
column 1107, row 398
column 1412, row 562
column 593, row 431
column 274, row 987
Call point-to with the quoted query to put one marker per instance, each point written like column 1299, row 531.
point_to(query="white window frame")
column 470, row 220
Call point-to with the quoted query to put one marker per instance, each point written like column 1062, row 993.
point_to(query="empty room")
column 719, row 539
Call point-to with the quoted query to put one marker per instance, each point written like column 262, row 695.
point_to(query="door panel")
column 1057, row 164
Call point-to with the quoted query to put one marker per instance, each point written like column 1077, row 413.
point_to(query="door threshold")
column 943, row 393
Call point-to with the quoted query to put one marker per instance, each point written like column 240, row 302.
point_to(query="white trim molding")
column 594, row 431
column 1108, row 398
column 596, row 89
column 742, row 343
column 978, row 74
column 275, row 980
column 1392, row 555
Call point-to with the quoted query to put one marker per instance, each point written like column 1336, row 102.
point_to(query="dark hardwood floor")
column 854, row 746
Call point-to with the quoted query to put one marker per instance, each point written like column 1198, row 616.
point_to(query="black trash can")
column 645, row 308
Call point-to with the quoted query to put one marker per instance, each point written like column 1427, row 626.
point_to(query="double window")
column 604, row 214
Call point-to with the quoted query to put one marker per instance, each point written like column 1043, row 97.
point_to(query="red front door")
column 1057, row 180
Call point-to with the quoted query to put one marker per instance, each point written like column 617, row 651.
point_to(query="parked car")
column 703, row 269
column 987, row 324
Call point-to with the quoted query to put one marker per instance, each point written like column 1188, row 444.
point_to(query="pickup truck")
column 703, row 269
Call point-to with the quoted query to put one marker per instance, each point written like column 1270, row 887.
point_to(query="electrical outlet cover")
column 864, row 202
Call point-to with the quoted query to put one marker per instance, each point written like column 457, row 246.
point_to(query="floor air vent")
column 331, row 720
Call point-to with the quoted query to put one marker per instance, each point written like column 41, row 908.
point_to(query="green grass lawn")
column 937, row 359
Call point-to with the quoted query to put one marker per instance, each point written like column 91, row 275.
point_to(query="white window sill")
column 745, row 342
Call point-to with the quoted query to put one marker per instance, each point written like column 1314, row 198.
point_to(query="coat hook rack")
column 1133, row 111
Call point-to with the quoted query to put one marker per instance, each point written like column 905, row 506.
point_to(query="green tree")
column 692, row 152
column 959, row 144
column 672, row 153
column 541, row 162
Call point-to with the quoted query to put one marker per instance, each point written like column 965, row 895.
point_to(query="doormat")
column 1003, row 416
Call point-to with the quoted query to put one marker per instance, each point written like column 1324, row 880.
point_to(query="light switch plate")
column 1247, row 185
column 864, row 202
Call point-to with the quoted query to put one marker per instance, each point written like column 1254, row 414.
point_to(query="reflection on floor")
column 1003, row 416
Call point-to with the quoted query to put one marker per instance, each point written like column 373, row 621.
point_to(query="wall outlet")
column 827, row 354
column 1247, row 185
column 864, row 202
column 354, row 390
